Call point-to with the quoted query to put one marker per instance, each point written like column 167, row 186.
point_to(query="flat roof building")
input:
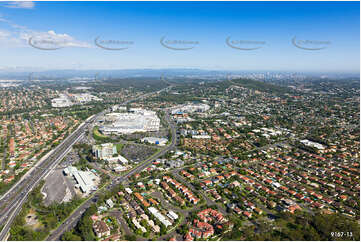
column 159, row 216
column 137, row 120
column 155, row 140
column 85, row 179
column 191, row 108
column 104, row 151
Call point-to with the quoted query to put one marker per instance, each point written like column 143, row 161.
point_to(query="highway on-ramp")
column 12, row 201
column 72, row 220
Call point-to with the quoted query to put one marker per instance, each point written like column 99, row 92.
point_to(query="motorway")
column 12, row 201
column 73, row 219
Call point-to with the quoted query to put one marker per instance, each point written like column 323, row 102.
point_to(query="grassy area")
column 101, row 137
column 119, row 147
column 84, row 201
column 97, row 134
column 36, row 224
column 51, row 217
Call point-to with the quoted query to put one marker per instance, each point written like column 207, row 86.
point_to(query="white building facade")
column 137, row 120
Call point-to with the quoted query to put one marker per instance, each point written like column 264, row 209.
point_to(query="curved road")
column 72, row 220
column 13, row 200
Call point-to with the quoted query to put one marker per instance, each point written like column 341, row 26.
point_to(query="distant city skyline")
column 235, row 36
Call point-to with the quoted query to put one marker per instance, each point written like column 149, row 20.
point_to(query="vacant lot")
column 57, row 187
column 32, row 220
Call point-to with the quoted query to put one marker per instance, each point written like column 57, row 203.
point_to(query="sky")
column 275, row 36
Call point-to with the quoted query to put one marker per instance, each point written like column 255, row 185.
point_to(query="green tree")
column 70, row 236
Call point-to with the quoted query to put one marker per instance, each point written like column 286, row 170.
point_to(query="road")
column 70, row 221
column 12, row 201
column 75, row 217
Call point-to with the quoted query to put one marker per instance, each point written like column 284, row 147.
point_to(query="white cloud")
column 19, row 36
column 7, row 39
column 60, row 40
column 26, row 5
column 4, row 34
